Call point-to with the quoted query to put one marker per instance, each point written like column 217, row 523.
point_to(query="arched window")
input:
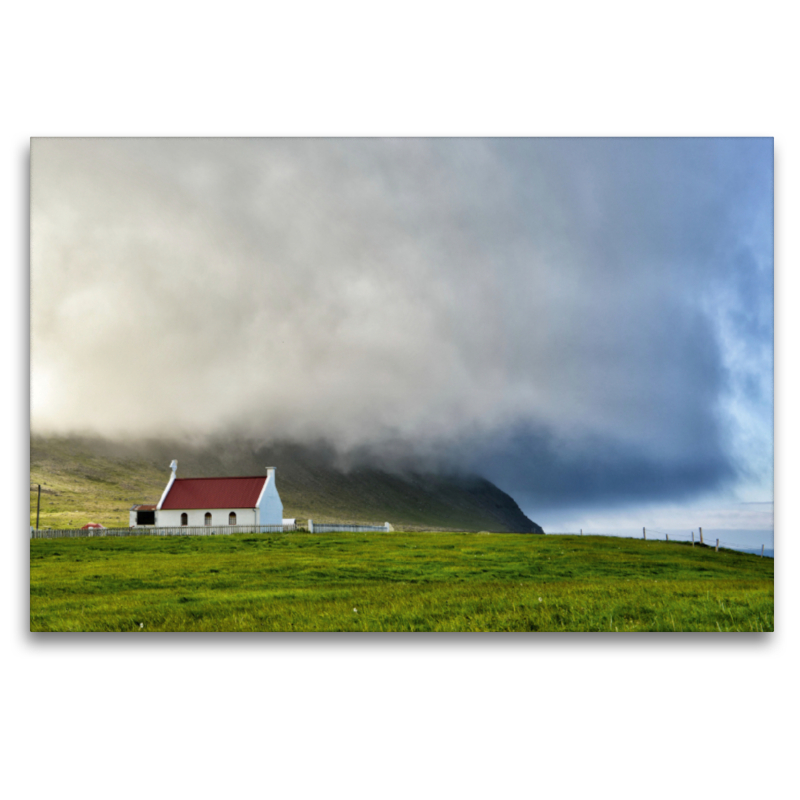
column 184, row 518
column 208, row 518
column 232, row 518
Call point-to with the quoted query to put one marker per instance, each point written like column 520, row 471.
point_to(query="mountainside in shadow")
column 96, row 480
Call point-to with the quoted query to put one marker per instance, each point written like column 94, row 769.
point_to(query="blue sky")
column 587, row 322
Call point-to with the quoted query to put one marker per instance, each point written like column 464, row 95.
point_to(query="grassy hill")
column 95, row 480
column 413, row 581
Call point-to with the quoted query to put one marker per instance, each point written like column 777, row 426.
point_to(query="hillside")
column 95, row 480
column 416, row 581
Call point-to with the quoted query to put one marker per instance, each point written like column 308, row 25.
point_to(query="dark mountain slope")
column 85, row 479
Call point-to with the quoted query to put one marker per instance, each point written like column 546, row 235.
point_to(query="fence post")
column 667, row 535
column 311, row 526
column 581, row 531
column 701, row 536
column 644, row 534
column 716, row 549
column 692, row 538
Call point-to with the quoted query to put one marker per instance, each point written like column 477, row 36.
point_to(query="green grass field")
column 395, row 582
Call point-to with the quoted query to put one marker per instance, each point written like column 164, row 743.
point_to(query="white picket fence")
column 334, row 527
column 184, row 530
column 204, row 530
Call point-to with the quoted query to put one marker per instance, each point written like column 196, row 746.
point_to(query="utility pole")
column 38, row 503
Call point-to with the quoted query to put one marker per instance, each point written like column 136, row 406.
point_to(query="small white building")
column 214, row 501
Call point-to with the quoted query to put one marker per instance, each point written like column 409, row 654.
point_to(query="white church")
column 188, row 502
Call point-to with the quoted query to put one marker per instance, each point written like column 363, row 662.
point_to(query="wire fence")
column 651, row 534
column 183, row 530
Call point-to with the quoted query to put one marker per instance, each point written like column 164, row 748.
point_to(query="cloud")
column 599, row 312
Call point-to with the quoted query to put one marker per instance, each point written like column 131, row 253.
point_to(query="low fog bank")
column 228, row 454
column 530, row 467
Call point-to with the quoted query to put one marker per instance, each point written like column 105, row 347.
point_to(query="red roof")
column 214, row 493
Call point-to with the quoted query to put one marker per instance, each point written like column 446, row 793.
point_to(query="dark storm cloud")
column 546, row 474
column 427, row 299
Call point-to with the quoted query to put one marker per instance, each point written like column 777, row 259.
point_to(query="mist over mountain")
column 579, row 320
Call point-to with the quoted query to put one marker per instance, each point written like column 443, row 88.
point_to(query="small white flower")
column 540, row 599
column 355, row 611
column 141, row 624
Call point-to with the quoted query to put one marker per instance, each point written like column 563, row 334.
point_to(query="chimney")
column 174, row 467
column 271, row 474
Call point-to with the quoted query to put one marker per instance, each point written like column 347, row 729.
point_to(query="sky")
column 586, row 322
